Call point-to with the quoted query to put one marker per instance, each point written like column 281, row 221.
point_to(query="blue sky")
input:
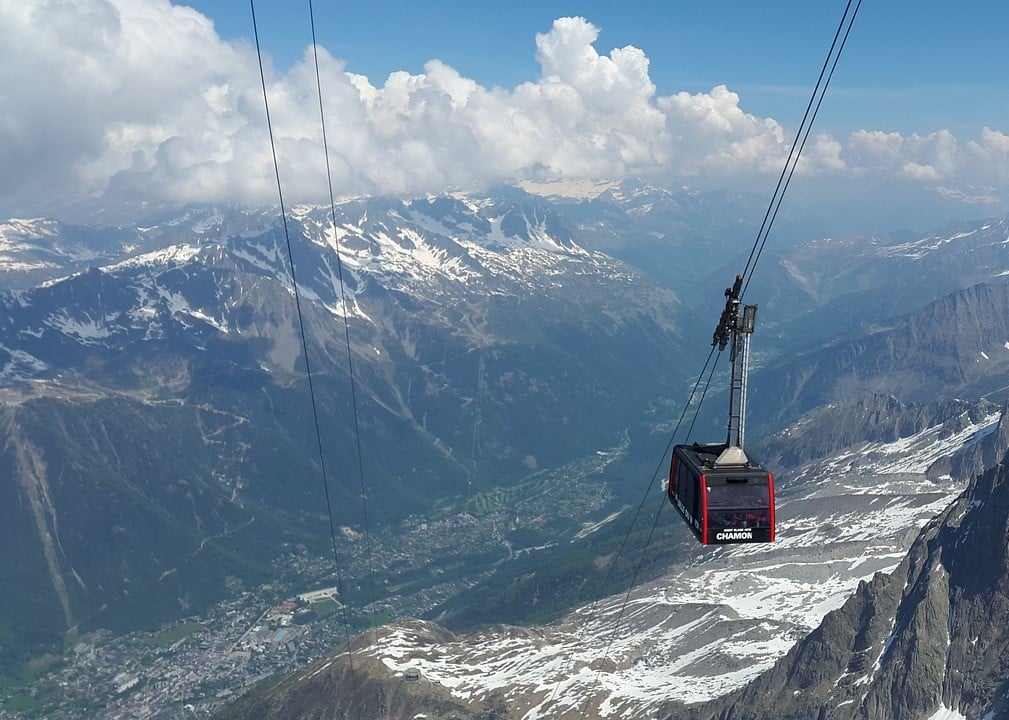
column 113, row 102
column 910, row 65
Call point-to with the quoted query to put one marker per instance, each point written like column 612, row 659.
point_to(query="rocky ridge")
column 923, row 641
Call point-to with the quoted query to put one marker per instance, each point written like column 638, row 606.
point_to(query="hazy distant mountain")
column 35, row 250
column 831, row 286
column 956, row 346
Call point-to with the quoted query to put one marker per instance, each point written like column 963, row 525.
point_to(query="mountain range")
column 157, row 405
column 160, row 448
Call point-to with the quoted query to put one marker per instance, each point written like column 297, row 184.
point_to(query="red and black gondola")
column 724, row 497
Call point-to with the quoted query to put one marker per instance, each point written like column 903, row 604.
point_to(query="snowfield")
column 723, row 616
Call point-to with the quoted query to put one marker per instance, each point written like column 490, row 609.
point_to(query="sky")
column 128, row 102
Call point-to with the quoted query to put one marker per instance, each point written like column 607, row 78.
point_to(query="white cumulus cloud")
column 142, row 100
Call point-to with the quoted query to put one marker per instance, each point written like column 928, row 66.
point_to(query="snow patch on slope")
column 944, row 713
column 172, row 255
column 87, row 330
column 19, row 364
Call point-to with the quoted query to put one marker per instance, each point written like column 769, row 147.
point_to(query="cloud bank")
column 141, row 100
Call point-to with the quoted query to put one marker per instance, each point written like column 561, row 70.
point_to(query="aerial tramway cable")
column 623, row 543
column 346, row 317
column 802, row 134
column 662, row 505
column 796, row 150
column 308, row 367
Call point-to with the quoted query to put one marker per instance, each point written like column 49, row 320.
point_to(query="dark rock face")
column 928, row 636
column 873, row 418
column 974, row 460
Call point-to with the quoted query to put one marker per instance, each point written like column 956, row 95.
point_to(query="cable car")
column 724, row 496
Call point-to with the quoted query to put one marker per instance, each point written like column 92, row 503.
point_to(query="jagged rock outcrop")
column 976, row 458
column 929, row 636
column 874, row 418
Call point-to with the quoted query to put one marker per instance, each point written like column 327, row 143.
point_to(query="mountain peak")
column 568, row 189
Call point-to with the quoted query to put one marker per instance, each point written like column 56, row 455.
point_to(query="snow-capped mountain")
column 480, row 329
column 450, row 299
column 718, row 619
column 442, row 254
column 36, row 250
column 830, row 286
column 32, row 250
